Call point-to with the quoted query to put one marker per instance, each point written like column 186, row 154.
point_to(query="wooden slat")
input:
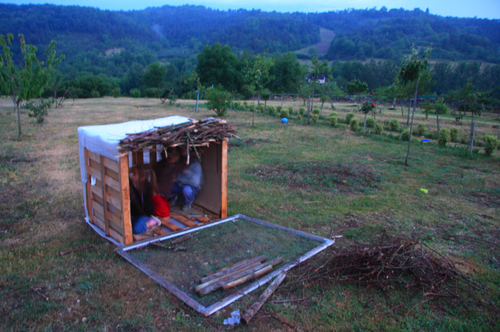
column 223, row 208
column 98, row 207
column 112, row 183
column 94, row 164
column 98, row 222
column 173, row 227
column 94, row 156
column 125, row 200
column 118, row 237
column 112, row 221
column 112, row 165
column 88, row 188
column 94, row 172
column 104, row 200
column 111, row 197
column 203, row 219
column 152, row 158
column 183, row 220
column 112, row 174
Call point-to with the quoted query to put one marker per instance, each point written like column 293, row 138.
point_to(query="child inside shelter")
column 141, row 203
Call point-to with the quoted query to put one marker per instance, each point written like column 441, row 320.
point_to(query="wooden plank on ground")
column 203, row 220
column 173, row 227
column 186, row 221
column 235, row 267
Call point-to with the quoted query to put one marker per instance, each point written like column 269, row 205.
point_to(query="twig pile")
column 192, row 134
column 397, row 262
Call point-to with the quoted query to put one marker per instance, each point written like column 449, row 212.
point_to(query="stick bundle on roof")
column 192, row 134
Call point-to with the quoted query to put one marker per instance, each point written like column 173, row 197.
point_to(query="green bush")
column 444, row 136
column 116, row 91
column 405, row 135
column 333, row 121
column 394, row 125
column 463, row 138
column 490, row 144
column 316, row 111
column 421, row 129
column 218, row 100
column 262, row 108
column 299, row 117
column 379, row 128
column 251, row 107
column 236, row 105
column 135, row 93
column 279, row 109
column 39, row 109
column 334, row 114
column 290, row 110
column 314, row 117
column 245, row 104
column 284, row 114
column 370, row 122
column 454, row 134
column 302, row 110
column 354, row 123
column 271, row 110
column 95, row 94
column 349, row 117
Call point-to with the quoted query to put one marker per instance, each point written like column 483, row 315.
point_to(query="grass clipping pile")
column 392, row 263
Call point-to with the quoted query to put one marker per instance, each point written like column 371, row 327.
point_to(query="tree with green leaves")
column 218, row 66
column 317, row 68
column 440, row 108
column 28, row 81
column 154, row 76
column 356, row 86
column 218, row 100
column 411, row 70
column 258, row 76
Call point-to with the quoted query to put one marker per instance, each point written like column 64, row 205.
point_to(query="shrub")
column 302, row 110
column 290, row 110
column 284, row 113
column 245, row 104
column 314, row 117
column 279, row 109
column 38, row 109
column 454, row 134
column 333, row 121
column 116, row 91
column 490, row 144
column 421, row 129
column 218, row 100
column 463, row 138
column 334, row 114
column 444, row 136
column 379, row 128
column 354, row 123
column 271, row 110
column 370, row 122
column 316, row 111
column 394, row 124
column 405, row 135
column 135, row 93
column 95, row 94
column 349, row 117
column 262, row 108
column 236, row 105
column 298, row 116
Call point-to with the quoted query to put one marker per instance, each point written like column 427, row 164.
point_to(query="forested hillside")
column 116, row 48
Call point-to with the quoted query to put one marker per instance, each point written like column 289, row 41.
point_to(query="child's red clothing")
column 162, row 207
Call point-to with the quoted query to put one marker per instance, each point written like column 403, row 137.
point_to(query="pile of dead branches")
column 192, row 134
column 396, row 262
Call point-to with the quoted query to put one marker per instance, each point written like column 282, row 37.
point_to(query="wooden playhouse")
column 108, row 152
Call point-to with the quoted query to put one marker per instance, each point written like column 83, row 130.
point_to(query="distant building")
column 321, row 79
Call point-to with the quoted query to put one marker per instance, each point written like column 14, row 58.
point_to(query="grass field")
column 314, row 178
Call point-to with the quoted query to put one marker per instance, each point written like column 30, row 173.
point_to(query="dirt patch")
column 484, row 199
column 352, row 179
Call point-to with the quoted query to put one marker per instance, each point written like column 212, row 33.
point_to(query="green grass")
column 302, row 186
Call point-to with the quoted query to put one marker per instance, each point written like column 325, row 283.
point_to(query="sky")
column 457, row 8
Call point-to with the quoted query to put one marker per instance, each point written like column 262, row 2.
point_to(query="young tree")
column 356, row 86
column 258, row 76
column 411, row 70
column 316, row 70
column 154, row 76
column 28, row 81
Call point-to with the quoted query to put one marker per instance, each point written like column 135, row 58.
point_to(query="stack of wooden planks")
column 236, row 274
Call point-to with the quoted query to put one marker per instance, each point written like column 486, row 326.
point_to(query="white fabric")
column 104, row 140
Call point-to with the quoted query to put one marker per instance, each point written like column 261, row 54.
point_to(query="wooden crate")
column 108, row 196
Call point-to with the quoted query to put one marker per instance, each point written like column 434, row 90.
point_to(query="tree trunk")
column 402, row 112
column 19, row 116
column 321, row 111
column 411, row 124
column 265, row 106
column 437, row 120
column 408, row 117
column 308, row 108
column 364, row 126
column 472, row 132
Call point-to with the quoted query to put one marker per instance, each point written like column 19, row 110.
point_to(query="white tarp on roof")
column 104, row 140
